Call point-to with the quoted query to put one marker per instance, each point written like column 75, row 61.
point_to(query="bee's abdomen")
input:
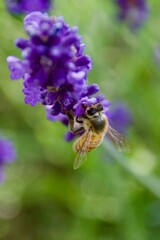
column 87, row 146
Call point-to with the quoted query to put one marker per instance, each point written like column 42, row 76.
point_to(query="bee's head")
column 94, row 110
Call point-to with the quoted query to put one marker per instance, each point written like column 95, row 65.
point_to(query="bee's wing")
column 81, row 155
column 120, row 142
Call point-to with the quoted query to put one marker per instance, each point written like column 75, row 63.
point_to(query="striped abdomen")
column 84, row 145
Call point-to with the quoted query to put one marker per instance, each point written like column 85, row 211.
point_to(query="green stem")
column 150, row 182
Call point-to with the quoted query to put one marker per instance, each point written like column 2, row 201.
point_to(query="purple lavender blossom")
column 59, row 117
column 27, row 6
column 120, row 117
column 134, row 12
column 54, row 67
column 69, row 136
column 7, row 154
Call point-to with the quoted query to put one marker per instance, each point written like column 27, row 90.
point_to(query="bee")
column 94, row 125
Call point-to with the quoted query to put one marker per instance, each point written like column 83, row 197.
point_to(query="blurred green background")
column 111, row 197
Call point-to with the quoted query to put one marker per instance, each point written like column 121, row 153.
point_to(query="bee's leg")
column 76, row 131
column 69, row 115
column 73, row 128
column 79, row 120
column 71, row 120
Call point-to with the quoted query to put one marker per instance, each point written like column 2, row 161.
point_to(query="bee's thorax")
column 98, row 124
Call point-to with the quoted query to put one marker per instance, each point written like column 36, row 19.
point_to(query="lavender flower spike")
column 7, row 154
column 27, row 6
column 54, row 67
column 134, row 12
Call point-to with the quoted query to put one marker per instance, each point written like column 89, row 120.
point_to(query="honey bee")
column 95, row 126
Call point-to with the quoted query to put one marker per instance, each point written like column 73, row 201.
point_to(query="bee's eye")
column 91, row 111
column 100, row 107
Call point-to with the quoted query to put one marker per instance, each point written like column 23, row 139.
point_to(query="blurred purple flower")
column 27, row 6
column 7, row 154
column 120, row 117
column 134, row 12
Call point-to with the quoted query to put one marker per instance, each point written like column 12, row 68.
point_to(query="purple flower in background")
column 7, row 154
column 134, row 12
column 120, row 117
column 27, row 6
column 54, row 67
